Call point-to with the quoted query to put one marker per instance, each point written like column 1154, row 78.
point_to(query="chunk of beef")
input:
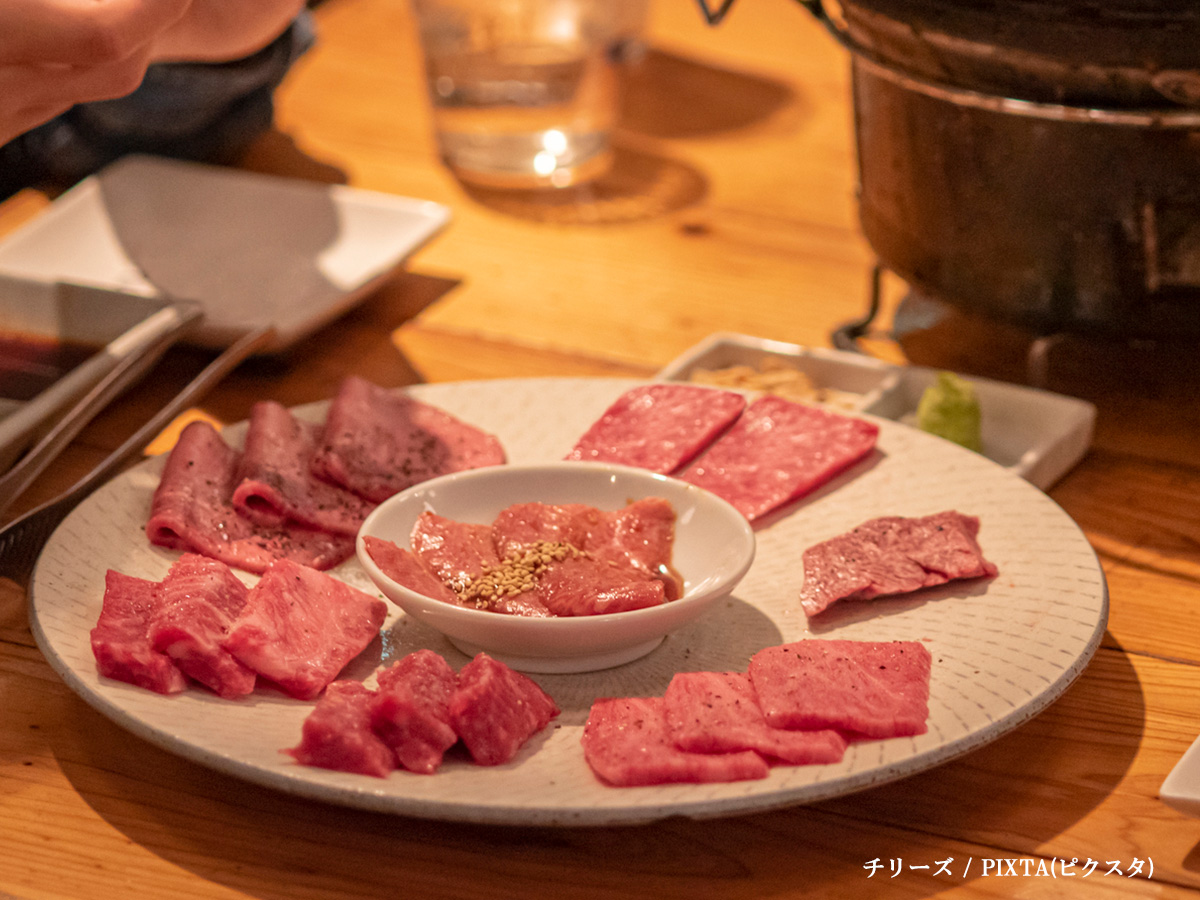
column 121, row 638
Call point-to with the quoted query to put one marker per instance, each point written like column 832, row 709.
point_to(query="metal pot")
column 1036, row 162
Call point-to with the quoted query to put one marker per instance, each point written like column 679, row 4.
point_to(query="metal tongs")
column 22, row 540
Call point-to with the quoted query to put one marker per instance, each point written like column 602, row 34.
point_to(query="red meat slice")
column 300, row 627
column 121, row 639
column 377, row 442
column 892, row 555
column 457, row 552
column 200, row 598
column 411, row 712
column 337, row 733
column 777, row 452
column 639, row 537
column 718, row 712
column 495, row 710
column 876, row 689
column 403, row 567
column 580, row 586
column 274, row 482
column 625, row 742
column 192, row 510
column 659, row 427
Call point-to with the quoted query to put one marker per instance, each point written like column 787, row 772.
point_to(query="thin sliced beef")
column 121, row 639
column 274, row 480
column 892, row 555
column 582, row 586
column 192, row 510
column 875, row 689
column 659, row 427
column 378, row 442
column 403, row 567
column 300, row 627
column 411, row 713
column 337, row 734
column 626, row 743
column 718, row 712
column 495, row 710
column 779, row 451
column 200, row 598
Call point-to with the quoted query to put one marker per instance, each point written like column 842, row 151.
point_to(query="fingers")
column 82, row 32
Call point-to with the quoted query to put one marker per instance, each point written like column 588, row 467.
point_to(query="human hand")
column 221, row 30
column 56, row 53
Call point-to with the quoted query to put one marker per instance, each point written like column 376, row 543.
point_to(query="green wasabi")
column 950, row 409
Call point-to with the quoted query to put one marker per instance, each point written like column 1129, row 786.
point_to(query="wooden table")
column 732, row 209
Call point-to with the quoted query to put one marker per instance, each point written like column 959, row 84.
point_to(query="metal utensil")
column 129, row 369
column 22, row 540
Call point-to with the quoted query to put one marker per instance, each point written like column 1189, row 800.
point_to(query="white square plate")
column 251, row 249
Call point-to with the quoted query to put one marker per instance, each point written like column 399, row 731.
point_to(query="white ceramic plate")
column 1002, row 650
column 713, row 549
column 252, row 249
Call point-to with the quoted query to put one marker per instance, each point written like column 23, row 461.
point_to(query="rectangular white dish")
column 251, row 249
column 1037, row 434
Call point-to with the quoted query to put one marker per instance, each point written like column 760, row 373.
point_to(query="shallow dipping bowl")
column 713, row 549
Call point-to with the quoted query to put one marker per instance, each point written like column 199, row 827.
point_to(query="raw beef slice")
column 659, row 427
column 626, row 744
column 300, row 627
column 121, row 639
column 337, row 733
column 378, row 442
column 200, row 598
column 777, row 452
column 192, row 509
column 403, row 567
column 495, row 710
column 875, row 689
column 718, row 712
column 892, row 555
column 411, row 712
column 274, row 480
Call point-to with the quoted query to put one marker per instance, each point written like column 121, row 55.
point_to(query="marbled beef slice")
column 877, row 689
column 200, row 599
column 718, row 712
column 378, row 442
column 778, row 452
column 659, row 427
column 892, row 555
column 274, row 482
column 300, row 627
column 626, row 744
column 121, row 638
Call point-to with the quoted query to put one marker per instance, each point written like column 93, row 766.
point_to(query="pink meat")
column 456, row 552
column 718, row 712
column 875, row 689
column 495, row 710
column 892, row 555
column 200, row 598
column 403, row 567
column 639, row 537
column 411, row 713
column 378, row 442
column 337, row 733
column 580, row 586
column 274, row 482
column 300, row 627
column 626, row 743
column 121, row 639
column 779, row 451
column 659, row 427
column 192, row 510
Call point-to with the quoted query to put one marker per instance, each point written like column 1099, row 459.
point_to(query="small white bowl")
column 714, row 547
